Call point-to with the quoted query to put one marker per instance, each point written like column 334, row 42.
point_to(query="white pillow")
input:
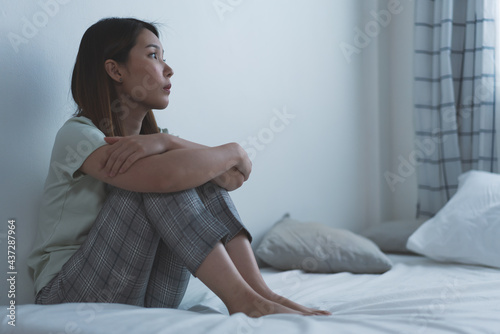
column 467, row 228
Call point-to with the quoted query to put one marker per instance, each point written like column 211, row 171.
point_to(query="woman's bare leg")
column 220, row 204
column 242, row 255
column 220, row 275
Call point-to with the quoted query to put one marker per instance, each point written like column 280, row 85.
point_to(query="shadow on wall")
column 30, row 117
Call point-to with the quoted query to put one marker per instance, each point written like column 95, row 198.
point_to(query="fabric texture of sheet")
column 417, row 295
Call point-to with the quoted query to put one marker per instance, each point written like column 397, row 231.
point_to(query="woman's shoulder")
column 78, row 122
column 80, row 127
column 74, row 142
column 78, row 134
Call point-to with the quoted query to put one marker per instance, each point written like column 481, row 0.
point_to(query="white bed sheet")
column 417, row 295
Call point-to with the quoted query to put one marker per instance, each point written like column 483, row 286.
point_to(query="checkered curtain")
column 454, row 85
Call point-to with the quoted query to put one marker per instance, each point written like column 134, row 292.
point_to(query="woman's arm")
column 174, row 170
column 229, row 180
column 183, row 143
column 125, row 151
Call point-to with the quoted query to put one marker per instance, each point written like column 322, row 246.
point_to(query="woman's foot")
column 255, row 306
column 294, row 306
column 242, row 255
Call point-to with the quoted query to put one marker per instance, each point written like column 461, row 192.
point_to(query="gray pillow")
column 315, row 247
column 392, row 236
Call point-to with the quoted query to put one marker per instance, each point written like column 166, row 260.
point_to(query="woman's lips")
column 167, row 88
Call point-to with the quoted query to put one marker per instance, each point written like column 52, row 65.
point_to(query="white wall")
column 396, row 112
column 233, row 73
column 384, row 39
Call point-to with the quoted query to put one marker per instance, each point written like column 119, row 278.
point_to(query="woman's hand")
column 234, row 177
column 243, row 163
column 230, row 180
column 124, row 151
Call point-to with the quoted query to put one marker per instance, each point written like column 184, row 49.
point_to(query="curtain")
column 454, row 96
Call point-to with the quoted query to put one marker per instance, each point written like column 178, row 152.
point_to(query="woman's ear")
column 112, row 68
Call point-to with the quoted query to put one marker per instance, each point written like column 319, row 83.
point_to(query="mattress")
column 417, row 295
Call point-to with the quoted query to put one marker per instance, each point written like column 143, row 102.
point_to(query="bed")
column 417, row 295
column 452, row 286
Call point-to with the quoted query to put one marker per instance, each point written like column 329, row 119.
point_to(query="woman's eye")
column 154, row 55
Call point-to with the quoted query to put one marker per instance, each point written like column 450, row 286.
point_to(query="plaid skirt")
column 143, row 246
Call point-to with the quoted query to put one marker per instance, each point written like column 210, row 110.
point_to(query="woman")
column 129, row 212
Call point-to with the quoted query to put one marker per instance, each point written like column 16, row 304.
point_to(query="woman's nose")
column 168, row 71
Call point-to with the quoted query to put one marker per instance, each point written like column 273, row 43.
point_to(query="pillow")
column 467, row 228
column 392, row 236
column 314, row 247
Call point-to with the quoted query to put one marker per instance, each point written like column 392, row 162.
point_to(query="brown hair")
column 91, row 86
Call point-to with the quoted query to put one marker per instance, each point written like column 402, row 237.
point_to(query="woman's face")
column 146, row 77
